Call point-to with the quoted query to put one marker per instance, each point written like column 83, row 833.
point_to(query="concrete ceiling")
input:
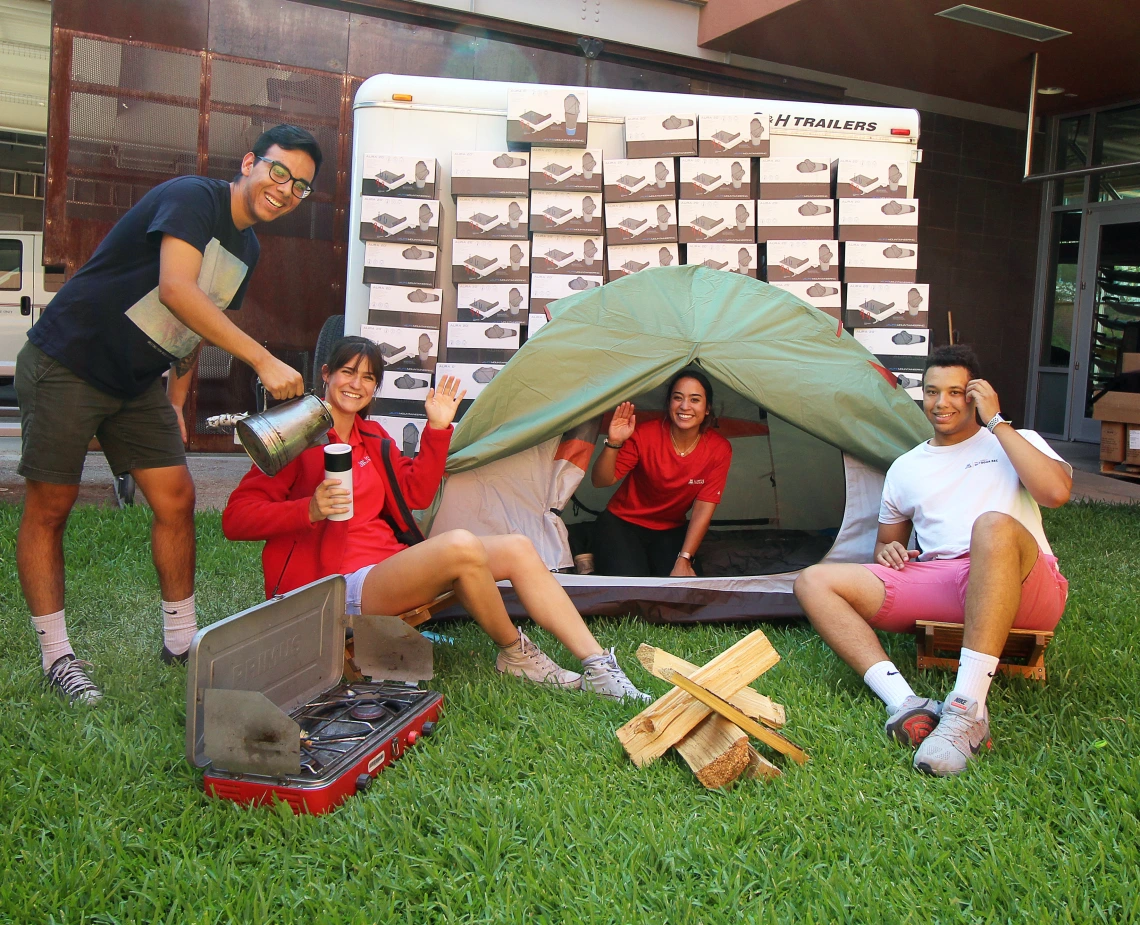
column 902, row 43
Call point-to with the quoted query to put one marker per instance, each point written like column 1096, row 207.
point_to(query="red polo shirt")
column 370, row 538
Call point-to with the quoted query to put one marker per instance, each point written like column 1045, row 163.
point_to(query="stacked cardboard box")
column 400, row 218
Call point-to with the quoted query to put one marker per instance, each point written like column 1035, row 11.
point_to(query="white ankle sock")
column 51, row 630
column 975, row 672
column 888, row 684
column 179, row 624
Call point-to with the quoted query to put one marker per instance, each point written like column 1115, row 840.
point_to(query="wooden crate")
column 938, row 645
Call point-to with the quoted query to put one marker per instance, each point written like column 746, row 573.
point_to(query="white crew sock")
column 51, row 629
column 179, row 624
column 888, row 684
column 975, row 672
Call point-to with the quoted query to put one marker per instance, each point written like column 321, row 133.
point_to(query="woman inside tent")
column 291, row 511
column 670, row 464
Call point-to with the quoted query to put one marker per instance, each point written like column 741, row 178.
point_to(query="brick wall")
column 978, row 226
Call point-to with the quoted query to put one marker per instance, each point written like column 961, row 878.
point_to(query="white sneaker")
column 602, row 675
column 68, row 675
column 524, row 659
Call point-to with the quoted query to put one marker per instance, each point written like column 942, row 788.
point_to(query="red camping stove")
column 269, row 718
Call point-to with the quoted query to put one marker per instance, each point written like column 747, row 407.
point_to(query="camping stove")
column 269, row 718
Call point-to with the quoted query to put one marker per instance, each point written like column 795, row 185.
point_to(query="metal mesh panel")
column 133, row 123
column 247, row 99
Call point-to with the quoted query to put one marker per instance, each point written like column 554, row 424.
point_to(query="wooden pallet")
column 938, row 645
column 1131, row 472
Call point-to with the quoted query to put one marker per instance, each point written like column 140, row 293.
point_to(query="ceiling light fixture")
column 1050, row 91
column 1000, row 22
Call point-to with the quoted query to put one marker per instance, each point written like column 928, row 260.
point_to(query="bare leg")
column 455, row 560
column 39, row 544
column 515, row 559
column 839, row 600
column 170, row 493
column 1002, row 554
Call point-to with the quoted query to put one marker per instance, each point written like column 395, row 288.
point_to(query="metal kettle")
column 275, row 437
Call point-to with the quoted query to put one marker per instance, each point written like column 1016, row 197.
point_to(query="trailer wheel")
column 331, row 331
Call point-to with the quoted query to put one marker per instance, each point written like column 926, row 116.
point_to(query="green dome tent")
column 813, row 417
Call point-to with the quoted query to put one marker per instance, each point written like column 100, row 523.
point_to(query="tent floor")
column 737, row 553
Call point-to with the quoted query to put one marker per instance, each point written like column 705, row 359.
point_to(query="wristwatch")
column 995, row 420
column 685, row 555
column 612, row 446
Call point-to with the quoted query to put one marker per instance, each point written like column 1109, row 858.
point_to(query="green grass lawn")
column 524, row 808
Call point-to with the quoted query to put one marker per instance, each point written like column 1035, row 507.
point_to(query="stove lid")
column 291, row 649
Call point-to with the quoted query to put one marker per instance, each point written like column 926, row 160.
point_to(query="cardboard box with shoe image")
column 715, row 178
column 550, row 287
column 625, row 260
column 399, row 175
column 547, row 116
column 806, row 177
column 565, row 213
column 639, row 179
column 887, row 220
column 404, row 306
column 877, row 262
column 481, row 218
column 641, row 222
column 744, row 134
column 490, row 173
column 568, row 169
column 716, row 220
column 795, row 219
column 802, row 260
column 731, row 258
column 493, row 302
column 888, row 305
column 393, row 264
column 404, row 348
column 566, row 253
column 864, row 178
column 489, row 261
column 827, row 296
column 395, row 218
column 661, row 135
column 477, row 342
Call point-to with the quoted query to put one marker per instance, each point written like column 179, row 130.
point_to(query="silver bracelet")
column 612, row 446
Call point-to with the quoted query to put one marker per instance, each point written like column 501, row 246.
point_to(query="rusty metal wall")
column 144, row 91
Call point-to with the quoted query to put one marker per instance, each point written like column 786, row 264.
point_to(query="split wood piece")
column 663, row 724
column 759, row 766
column 729, row 712
column 716, row 751
column 746, row 700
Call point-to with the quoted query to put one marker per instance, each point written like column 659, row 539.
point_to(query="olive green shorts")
column 60, row 413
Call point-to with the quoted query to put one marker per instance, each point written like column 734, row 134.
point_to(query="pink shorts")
column 936, row 590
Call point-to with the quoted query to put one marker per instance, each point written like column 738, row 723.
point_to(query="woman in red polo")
column 670, row 465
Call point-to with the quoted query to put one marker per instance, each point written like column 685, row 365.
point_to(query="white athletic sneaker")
column 602, row 675
column 524, row 659
column 961, row 733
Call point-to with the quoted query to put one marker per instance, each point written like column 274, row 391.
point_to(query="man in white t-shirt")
column 971, row 495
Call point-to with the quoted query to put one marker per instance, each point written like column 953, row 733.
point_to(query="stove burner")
column 368, row 710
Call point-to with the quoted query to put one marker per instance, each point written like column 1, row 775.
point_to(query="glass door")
column 1108, row 309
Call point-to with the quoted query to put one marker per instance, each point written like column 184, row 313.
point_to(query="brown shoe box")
column 571, row 169
column 1132, row 446
column 547, row 116
column 802, row 260
column 404, row 306
column 640, row 179
column 715, row 177
column 404, row 348
column 492, row 302
column 490, row 173
column 489, row 261
column 890, row 305
column 550, row 287
column 625, row 260
column 795, row 219
column 825, row 295
column 864, row 178
column 1112, row 438
column 731, row 258
column 743, row 134
column 569, row 254
column 876, row 262
column 399, row 175
column 661, row 135
column 641, row 222
column 565, row 213
column 794, row 177
column 401, row 264
column 483, row 219
column 395, row 218
column 887, row 220
column 730, row 221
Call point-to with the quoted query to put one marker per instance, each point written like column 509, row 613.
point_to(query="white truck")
column 26, row 287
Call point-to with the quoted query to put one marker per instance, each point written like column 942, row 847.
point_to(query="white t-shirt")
column 942, row 490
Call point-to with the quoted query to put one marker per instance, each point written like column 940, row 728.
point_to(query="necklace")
column 677, row 447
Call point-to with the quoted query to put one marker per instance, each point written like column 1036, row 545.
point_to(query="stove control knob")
column 412, row 737
column 428, row 728
column 363, row 782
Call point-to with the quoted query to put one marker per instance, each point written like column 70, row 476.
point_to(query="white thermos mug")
column 338, row 465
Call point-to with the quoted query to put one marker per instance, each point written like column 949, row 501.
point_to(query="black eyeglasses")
column 279, row 173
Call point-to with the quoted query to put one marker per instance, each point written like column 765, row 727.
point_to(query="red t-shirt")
column 662, row 484
column 370, row 537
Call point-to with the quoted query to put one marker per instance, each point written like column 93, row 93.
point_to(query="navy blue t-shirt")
column 106, row 323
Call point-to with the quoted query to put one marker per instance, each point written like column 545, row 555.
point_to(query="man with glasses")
column 155, row 288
